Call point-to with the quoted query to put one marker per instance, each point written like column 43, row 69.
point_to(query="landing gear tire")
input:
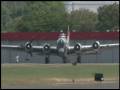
column 47, row 60
column 74, row 63
column 79, row 59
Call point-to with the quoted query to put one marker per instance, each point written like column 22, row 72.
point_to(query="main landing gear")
column 79, row 59
column 64, row 59
column 47, row 59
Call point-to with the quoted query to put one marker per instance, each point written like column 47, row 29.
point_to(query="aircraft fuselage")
column 62, row 45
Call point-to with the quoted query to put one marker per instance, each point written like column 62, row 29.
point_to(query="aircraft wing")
column 39, row 49
column 91, row 49
column 109, row 45
column 20, row 47
column 102, row 46
column 17, row 47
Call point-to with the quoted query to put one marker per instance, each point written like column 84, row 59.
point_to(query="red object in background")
column 54, row 36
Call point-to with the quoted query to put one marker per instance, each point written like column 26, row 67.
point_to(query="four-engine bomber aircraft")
column 62, row 49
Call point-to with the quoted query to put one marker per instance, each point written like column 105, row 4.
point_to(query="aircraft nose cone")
column 61, row 51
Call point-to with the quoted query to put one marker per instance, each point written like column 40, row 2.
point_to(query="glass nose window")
column 61, row 43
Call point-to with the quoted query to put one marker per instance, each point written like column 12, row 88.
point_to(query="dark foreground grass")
column 42, row 73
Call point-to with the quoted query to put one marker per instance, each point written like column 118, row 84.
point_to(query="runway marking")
column 86, row 83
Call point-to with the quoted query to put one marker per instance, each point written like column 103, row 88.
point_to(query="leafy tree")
column 33, row 16
column 108, row 16
column 10, row 11
column 47, row 16
column 83, row 20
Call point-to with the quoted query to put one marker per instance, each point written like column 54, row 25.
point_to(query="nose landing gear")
column 64, row 59
column 79, row 59
column 47, row 60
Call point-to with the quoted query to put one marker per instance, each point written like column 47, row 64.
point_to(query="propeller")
column 96, row 45
column 46, row 48
column 28, row 47
column 77, row 47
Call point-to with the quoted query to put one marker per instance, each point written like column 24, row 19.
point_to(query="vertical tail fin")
column 68, row 35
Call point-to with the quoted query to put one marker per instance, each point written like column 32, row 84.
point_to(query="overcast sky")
column 92, row 5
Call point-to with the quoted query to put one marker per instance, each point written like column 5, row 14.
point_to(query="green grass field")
column 42, row 73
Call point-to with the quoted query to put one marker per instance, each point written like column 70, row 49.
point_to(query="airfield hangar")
column 40, row 38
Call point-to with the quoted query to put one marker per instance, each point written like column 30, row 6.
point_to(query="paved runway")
column 96, row 85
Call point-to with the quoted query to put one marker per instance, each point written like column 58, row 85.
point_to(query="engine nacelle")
column 46, row 48
column 77, row 47
column 28, row 48
column 96, row 45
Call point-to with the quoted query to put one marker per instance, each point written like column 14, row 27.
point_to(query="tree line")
column 52, row 16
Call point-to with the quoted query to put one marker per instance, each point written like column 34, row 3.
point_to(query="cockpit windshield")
column 61, row 43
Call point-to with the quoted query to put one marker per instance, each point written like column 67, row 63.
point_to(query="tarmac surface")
column 95, row 85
